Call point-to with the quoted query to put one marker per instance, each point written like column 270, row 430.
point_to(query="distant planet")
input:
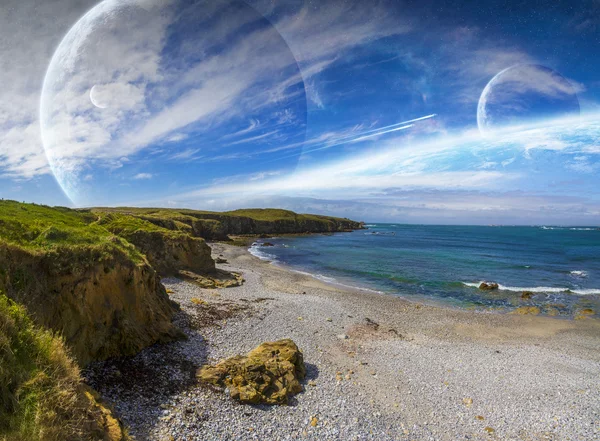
column 147, row 87
column 524, row 95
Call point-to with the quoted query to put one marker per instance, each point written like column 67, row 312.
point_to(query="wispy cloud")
column 141, row 176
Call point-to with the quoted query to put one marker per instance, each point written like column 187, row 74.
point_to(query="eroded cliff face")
column 214, row 226
column 104, row 304
column 244, row 225
column 171, row 253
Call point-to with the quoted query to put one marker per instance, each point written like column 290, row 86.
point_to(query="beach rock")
column 221, row 260
column 267, row 244
column 526, row 295
column 217, row 279
column 584, row 313
column 269, row 374
column 527, row 310
column 488, row 286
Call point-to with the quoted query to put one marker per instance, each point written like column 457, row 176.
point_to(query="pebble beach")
column 378, row 367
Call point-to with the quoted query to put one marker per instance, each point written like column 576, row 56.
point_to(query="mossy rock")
column 527, row 310
column 269, row 374
column 526, row 295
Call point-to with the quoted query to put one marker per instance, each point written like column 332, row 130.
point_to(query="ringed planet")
column 525, row 95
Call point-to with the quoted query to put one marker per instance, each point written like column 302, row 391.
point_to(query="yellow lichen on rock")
column 584, row 313
column 270, row 373
column 527, row 310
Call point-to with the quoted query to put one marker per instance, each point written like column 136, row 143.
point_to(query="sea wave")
column 257, row 251
column 333, row 281
column 544, row 289
column 579, row 273
column 569, row 228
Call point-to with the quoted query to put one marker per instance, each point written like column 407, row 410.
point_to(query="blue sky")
column 346, row 108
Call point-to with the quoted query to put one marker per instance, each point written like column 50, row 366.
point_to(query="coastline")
column 384, row 368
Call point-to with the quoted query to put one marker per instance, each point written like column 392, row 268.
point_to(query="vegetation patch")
column 42, row 396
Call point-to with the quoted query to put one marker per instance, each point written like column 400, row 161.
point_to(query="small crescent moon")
column 94, row 98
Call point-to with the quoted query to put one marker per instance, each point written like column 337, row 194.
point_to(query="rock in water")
column 488, row 286
column 270, row 373
column 526, row 295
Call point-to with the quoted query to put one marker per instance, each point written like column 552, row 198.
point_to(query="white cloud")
column 30, row 33
column 187, row 154
column 140, row 176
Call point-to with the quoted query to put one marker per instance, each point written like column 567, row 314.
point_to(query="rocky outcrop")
column 270, row 373
column 104, row 302
column 171, row 252
column 488, row 286
column 217, row 279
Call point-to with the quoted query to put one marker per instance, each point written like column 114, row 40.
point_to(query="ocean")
column 560, row 266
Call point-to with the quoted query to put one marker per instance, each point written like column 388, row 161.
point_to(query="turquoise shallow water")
column 561, row 266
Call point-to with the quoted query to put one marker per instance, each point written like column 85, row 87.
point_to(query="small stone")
column 488, row 286
column 312, row 383
column 489, row 430
column 342, row 336
column 480, row 417
column 314, row 421
column 300, row 318
column 329, row 319
column 468, row 402
column 526, row 295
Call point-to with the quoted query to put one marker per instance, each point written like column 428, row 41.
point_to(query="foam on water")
column 256, row 251
column 543, row 289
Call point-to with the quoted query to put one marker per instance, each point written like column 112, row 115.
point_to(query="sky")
column 401, row 111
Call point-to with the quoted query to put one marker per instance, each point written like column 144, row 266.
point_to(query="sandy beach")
column 379, row 367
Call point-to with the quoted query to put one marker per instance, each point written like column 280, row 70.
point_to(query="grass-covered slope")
column 81, row 280
column 169, row 251
column 42, row 396
column 217, row 226
column 38, row 228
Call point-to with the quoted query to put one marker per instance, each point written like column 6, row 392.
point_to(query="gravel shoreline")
column 379, row 367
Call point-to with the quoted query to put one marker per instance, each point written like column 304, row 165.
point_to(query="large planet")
column 525, row 95
column 148, row 89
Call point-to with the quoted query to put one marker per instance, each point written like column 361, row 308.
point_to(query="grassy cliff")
column 218, row 225
column 81, row 280
column 169, row 251
column 42, row 396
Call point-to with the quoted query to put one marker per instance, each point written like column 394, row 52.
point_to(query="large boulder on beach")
column 270, row 373
column 488, row 286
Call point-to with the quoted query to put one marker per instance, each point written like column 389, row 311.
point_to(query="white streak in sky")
column 357, row 137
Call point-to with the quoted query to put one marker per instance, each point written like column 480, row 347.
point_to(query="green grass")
column 123, row 224
column 42, row 397
column 42, row 229
column 259, row 214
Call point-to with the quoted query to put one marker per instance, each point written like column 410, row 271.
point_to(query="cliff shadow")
column 140, row 388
